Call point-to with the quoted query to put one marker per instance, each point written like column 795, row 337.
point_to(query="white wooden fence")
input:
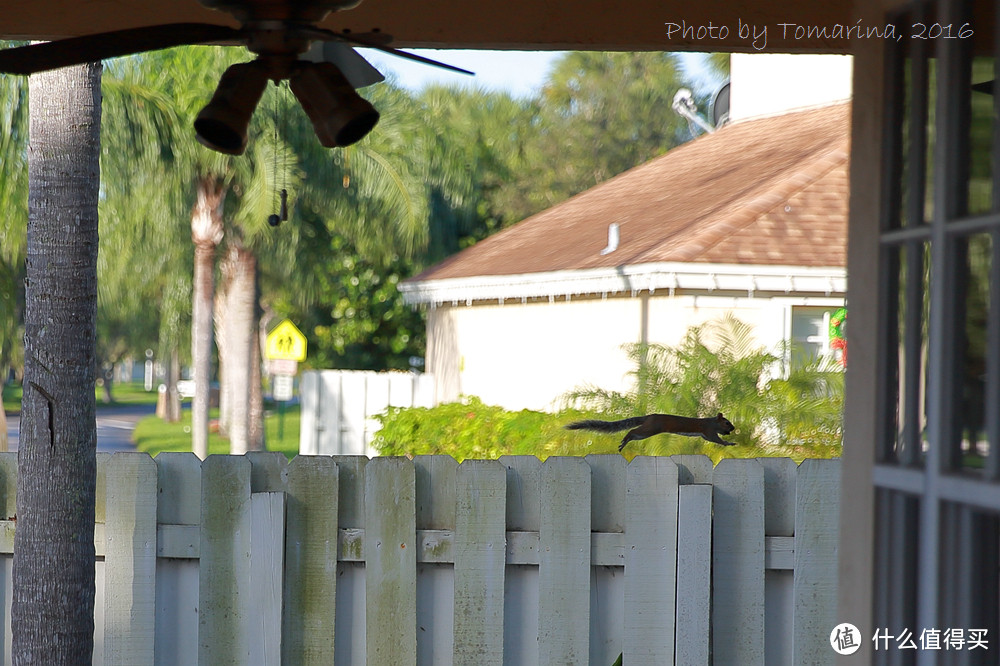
column 338, row 407
column 390, row 561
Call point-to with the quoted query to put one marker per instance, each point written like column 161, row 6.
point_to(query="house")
column 749, row 220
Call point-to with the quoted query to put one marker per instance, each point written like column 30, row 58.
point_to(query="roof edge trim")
column 636, row 278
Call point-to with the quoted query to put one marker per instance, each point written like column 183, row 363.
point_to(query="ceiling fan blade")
column 358, row 71
column 90, row 48
column 322, row 33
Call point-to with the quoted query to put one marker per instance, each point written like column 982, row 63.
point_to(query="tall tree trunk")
column 206, row 233
column 107, row 383
column 257, row 434
column 222, row 341
column 168, row 402
column 241, row 266
column 53, row 581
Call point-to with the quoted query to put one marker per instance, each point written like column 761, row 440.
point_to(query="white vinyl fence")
column 390, row 561
column 338, row 407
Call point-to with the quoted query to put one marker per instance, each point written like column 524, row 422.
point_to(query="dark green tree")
column 598, row 115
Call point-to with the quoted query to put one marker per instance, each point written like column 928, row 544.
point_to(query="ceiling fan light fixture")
column 222, row 124
column 339, row 115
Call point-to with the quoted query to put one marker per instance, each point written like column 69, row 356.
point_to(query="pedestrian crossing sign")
column 285, row 342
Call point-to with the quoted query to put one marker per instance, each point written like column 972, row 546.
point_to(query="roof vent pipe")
column 612, row 239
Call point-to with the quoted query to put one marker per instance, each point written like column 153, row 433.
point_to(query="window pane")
column 926, row 197
column 813, row 330
column 908, row 362
column 897, row 539
column 981, row 137
column 916, row 118
column 971, row 349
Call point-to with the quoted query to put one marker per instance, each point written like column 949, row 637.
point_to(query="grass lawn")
column 132, row 393
column 122, row 394
column 11, row 398
column 153, row 435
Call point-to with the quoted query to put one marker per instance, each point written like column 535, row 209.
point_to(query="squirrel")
column 653, row 424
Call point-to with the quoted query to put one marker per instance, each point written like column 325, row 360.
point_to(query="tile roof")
column 770, row 191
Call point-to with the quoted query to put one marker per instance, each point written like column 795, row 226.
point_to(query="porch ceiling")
column 493, row 24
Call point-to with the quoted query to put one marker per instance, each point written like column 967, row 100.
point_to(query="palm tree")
column 161, row 94
column 52, row 615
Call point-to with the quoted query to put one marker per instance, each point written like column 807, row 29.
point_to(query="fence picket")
column 349, row 624
column 564, row 562
column 650, row 560
column 817, row 513
column 268, row 471
column 224, row 568
column 130, row 559
column 738, row 563
column 521, row 595
column 523, row 498
column 694, row 468
column 310, row 562
column 694, row 575
column 779, row 496
column 480, row 553
column 390, row 562
column 607, row 590
column 435, row 487
column 178, row 513
column 267, row 566
column 434, row 477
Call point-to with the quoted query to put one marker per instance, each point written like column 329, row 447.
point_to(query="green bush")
column 473, row 429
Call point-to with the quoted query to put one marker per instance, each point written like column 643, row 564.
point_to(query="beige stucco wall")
column 529, row 355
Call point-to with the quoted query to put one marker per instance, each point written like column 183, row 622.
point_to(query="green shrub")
column 473, row 429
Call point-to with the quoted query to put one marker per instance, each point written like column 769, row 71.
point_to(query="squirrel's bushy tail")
column 607, row 426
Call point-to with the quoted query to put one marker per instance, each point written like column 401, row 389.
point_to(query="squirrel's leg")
column 632, row 434
column 714, row 437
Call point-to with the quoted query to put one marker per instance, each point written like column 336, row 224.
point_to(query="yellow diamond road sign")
column 285, row 342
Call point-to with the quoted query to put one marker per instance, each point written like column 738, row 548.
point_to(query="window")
column 814, row 334
column 937, row 471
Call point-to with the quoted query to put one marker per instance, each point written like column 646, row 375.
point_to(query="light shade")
column 222, row 124
column 339, row 115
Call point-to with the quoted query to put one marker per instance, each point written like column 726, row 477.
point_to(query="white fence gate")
column 338, row 407
column 390, row 561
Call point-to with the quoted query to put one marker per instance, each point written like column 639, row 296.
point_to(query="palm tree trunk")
column 52, row 615
column 241, row 265
column 222, row 342
column 206, row 232
column 256, row 433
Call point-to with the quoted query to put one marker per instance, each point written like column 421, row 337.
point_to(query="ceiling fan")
column 280, row 32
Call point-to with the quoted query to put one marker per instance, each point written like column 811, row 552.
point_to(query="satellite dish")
column 720, row 106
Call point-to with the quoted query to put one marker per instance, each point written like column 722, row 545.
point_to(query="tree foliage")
column 445, row 167
column 598, row 115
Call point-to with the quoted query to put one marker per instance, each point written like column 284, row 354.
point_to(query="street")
column 114, row 427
